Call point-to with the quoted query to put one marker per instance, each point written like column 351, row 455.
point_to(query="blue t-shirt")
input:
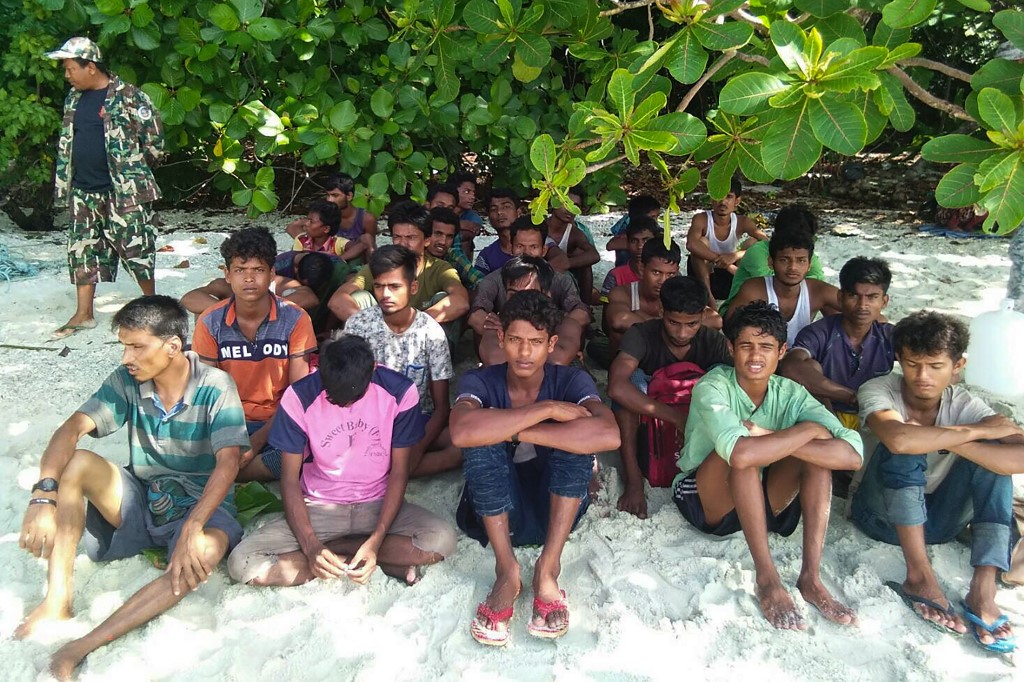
column 488, row 388
column 472, row 216
column 491, row 258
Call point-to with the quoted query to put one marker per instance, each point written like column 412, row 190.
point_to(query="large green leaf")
column 790, row 147
column 888, row 37
column 248, row 9
column 858, row 62
column 1011, row 23
column 841, row 25
column 995, row 171
column 749, row 154
column 822, row 8
column 534, row 50
column 482, row 16
column 902, row 115
column 1005, row 204
column 689, row 132
column 997, row 110
column 999, row 73
column 727, row 36
column 688, row 58
column 621, row 92
column 266, row 29
column 789, row 44
column 648, row 109
column 749, row 92
column 907, row 13
column 957, row 149
column 838, row 125
column 564, row 13
column 956, row 189
column 223, row 17
column 343, row 116
column 976, row 5
column 382, row 103
column 542, row 155
column 720, row 175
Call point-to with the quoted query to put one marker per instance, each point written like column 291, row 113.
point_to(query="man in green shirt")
column 759, row 448
column 755, row 260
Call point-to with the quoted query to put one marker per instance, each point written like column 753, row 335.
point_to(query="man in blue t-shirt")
column 832, row 357
column 528, row 430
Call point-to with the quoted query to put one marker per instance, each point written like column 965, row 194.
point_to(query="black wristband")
column 42, row 500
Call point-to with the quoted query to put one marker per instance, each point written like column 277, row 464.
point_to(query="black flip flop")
column 911, row 599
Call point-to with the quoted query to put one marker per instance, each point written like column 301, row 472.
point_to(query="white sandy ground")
column 650, row 599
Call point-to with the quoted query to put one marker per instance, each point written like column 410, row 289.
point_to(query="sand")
column 650, row 599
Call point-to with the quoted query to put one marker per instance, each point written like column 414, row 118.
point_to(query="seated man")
column 575, row 241
column 471, row 222
column 798, row 299
column 320, row 277
column 411, row 343
column 438, row 293
column 504, row 213
column 678, row 336
column 718, row 240
column 357, row 225
column 522, row 273
column 260, row 339
column 186, row 432
column 640, row 231
column 641, row 205
column 945, row 460
column 835, row 355
column 759, row 448
column 755, row 262
column 321, row 236
column 444, row 231
column 509, row 501
column 443, row 196
column 346, row 431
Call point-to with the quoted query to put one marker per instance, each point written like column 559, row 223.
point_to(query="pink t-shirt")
column 347, row 450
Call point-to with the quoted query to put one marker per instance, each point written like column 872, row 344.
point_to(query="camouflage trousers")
column 100, row 236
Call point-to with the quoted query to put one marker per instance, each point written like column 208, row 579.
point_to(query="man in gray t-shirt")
column 944, row 461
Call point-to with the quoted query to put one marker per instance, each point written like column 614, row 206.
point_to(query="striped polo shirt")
column 181, row 440
column 259, row 367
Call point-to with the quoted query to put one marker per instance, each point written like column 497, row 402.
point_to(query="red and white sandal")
column 544, row 609
column 484, row 627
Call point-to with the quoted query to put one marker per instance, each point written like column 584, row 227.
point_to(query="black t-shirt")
column 644, row 341
column 88, row 148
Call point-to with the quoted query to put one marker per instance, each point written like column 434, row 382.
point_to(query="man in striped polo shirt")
column 186, row 433
column 260, row 339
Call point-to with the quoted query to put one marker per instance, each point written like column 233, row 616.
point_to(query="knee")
column 78, row 470
column 440, row 542
column 570, row 474
column 246, row 567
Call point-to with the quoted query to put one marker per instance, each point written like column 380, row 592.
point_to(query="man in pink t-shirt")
column 345, row 433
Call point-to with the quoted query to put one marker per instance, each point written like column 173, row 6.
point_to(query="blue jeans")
column 495, row 485
column 892, row 494
column 270, row 455
column 640, row 380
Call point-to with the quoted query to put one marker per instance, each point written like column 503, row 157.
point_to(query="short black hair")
column 391, row 257
column 461, row 177
column 791, row 239
column 159, row 315
column 642, row 205
column 100, row 66
column 524, row 223
column 760, row 315
column 340, row 181
column 736, row 185
column 518, row 267
column 930, row 333
column 330, row 214
column 683, row 294
column 533, row 307
column 796, row 216
column 503, row 193
column 861, row 270
column 248, row 243
column 346, row 368
column 579, row 191
column 443, row 188
column 444, row 215
column 641, row 223
column 314, row 269
column 655, row 248
column 409, row 213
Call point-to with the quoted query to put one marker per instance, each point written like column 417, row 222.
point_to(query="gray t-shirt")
column 956, row 407
column 490, row 294
column 419, row 353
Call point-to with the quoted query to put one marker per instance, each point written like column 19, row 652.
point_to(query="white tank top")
column 801, row 315
column 564, row 243
column 634, row 296
column 727, row 245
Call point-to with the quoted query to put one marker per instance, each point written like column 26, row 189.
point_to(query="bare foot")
column 778, row 607
column 410, row 575
column 931, row 590
column 41, row 614
column 815, row 594
column 506, row 588
column 988, row 612
column 64, row 662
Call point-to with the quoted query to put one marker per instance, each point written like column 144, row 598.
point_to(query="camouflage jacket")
column 134, row 140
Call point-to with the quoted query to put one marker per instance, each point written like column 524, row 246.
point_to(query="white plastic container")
column 991, row 364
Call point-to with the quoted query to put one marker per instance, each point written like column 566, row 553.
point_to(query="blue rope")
column 12, row 268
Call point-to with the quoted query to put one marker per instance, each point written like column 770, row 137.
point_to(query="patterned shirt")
column 469, row 275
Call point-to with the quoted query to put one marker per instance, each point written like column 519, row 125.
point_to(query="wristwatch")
column 46, row 485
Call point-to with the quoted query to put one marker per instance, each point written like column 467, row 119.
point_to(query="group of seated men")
column 779, row 406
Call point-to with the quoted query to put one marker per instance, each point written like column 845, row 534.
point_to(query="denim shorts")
column 270, row 455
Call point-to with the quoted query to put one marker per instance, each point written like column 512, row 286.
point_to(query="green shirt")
column 437, row 276
column 755, row 264
column 720, row 406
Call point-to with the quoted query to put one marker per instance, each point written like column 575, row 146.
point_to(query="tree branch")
column 753, row 58
column 604, row 164
column 719, row 63
column 743, row 15
column 928, row 98
column 625, row 7
column 937, row 66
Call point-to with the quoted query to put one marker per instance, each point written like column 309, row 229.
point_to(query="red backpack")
column 659, row 443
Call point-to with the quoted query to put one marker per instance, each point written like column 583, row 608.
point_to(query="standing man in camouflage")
column 110, row 137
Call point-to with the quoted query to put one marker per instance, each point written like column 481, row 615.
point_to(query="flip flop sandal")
column 999, row 646
column 492, row 636
column 912, row 599
column 68, row 330
column 544, row 609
